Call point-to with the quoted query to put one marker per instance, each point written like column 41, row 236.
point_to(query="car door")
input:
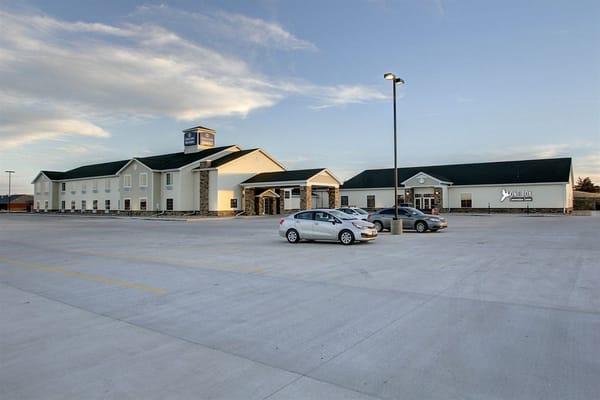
column 323, row 228
column 407, row 221
column 303, row 223
column 386, row 216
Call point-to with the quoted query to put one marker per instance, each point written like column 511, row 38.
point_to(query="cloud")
column 233, row 26
column 63, row 78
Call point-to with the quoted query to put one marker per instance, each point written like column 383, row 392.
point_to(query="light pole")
column 9, row 182
column 396, row 226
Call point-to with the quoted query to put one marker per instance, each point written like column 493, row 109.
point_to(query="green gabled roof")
column 88, row 171
column 230, row 157
column 284, row 176
column 178, row 160
column 490, row 173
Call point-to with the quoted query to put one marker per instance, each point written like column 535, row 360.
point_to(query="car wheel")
column 292, row 236
column 378, row 226
column 420, row 226
column 346, row 237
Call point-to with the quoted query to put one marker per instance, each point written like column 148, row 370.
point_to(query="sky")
column 91, row 81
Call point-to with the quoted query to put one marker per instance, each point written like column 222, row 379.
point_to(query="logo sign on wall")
column 207, row 139
column 190, row 139
column 516, row 195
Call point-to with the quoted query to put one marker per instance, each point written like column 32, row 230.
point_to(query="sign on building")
column 190, row 139
column 516, row 195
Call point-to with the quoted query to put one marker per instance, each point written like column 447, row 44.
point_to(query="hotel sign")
column 516, row 195
column 207, row 139
column 190, row 139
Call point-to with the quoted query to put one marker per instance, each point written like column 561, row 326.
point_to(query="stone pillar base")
column 396, row 227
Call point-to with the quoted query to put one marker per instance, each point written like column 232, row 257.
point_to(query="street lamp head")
column 10, row 172
column 399, row 81
column 389, row 76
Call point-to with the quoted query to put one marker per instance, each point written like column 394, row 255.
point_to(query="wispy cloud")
column 237, row 27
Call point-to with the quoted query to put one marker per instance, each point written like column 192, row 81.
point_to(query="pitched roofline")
column 425, row 173
column 340, row 182
column 463, row 164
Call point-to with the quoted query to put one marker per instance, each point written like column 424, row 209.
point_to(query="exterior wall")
column 169, row 192
column 358, row 197
column 107, row 189
column 544, row 196
column 136, row 192
column 232, row 174
column 45, row 190
column 156, row 191
column 185, row 189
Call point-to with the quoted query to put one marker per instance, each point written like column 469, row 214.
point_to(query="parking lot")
column 495, row 307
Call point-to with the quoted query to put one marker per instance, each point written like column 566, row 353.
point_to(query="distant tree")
column 585, row 185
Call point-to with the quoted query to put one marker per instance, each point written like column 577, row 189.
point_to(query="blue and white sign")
column 190, row 139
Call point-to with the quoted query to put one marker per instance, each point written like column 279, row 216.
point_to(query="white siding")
column 358, row 197
column 544, row 196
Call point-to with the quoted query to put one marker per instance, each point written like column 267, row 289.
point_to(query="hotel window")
column 95, row 186
column 73, row 205
column 127, row 204
column 143, row 179
column 94, row 204
column 344, row 200
column 63, row 187
column 371, row 201
column 107, row 205
column 83, row 205
column 37, row 205
column 63, row 205
column 233, row 203
column 286, row 194
column 169, row 204
column 46, row 205
column 143, row 204
column 466, row 200
column 169, row 179
column 127, row 181
column 107, row 184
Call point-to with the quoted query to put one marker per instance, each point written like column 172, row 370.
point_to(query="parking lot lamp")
column 9, row 182
column 396, row 226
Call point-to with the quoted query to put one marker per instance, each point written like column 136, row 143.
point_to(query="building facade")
column 203, row 179
column 544, row 185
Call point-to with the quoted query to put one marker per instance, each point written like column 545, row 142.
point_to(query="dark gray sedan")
column 411, row 219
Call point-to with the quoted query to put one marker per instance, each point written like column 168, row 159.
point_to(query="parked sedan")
column 355, row 212
column 411, row 219
column 326, row 224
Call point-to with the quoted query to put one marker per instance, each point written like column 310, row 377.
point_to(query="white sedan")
column 326, row 224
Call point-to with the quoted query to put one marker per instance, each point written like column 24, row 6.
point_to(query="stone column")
column 333, row 193
column 438, row 197
column 409, row 196
column 305, row 197
column 281, row 201
column 203, row 189
column 249, row 200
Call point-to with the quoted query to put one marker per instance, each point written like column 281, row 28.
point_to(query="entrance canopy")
column 266, row 185
column 293, row 178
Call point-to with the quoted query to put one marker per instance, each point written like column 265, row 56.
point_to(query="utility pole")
column 9, row 183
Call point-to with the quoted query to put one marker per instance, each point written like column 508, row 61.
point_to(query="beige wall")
column 136, row 191
column 544, row 196
column 232, row 174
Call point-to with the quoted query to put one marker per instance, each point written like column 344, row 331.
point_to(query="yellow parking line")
column 84, row 276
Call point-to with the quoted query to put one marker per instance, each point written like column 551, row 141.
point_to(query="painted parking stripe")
column 83, row 276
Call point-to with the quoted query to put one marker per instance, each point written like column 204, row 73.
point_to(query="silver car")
column 326, row 224
column 411, row 219
column 355, row 212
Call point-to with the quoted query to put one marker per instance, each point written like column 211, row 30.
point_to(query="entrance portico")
column 425, row 192
column 285, row 191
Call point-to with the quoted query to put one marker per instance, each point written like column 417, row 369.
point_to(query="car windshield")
column 341, row 215
column 361, row 211
column 414, row 211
